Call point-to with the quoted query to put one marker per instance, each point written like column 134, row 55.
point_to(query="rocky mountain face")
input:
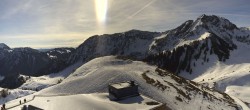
column 174, row 50
column 28, row 61
column 194, row 30
column 200, row 39
column 132, row 44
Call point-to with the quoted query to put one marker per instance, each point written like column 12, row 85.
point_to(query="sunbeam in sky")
column 101, row 7
column 60, row 23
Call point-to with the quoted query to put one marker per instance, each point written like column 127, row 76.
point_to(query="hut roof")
column 121, row 85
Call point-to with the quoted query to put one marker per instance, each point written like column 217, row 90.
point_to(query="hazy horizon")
column 67, row 23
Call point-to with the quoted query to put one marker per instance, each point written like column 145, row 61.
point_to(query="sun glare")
column 101, row 7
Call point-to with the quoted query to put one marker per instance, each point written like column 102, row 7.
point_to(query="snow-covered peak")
column 191, row 31
column 217, row 21
column 218, row 25
column 4, row 46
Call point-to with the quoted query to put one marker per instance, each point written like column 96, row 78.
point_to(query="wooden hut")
column 123, row 90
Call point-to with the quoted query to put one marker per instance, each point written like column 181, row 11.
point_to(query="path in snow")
column 242, row 104
column 89, row 102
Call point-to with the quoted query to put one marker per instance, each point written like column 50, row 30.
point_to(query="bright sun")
column 101, row 7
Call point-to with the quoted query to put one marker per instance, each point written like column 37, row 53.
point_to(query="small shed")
column 123, row 90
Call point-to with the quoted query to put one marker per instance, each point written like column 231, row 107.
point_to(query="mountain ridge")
column 207, row 50
column 208, row 33
column 27, row 61
column 188, row 32
column 4, row 46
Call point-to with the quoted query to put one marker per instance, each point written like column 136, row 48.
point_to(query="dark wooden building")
column 123, row 90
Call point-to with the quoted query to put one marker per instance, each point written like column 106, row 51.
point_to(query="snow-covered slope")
column 31, row 62
column 209, row 43
column 41, row 82
column 89, row 102
column 240, row 94
column 13, row 94
column 210, row 50
column 176, row 92
column 35, row 84
column 231, row 76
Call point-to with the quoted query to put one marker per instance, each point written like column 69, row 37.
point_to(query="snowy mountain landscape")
column 30, row 62
column 176, row 92
column 202, row 64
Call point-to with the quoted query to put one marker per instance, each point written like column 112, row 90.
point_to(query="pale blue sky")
column 60, row 23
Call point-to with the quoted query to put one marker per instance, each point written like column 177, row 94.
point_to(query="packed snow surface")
column 94, row 77
column 121, row 85
column 14, row 94
column 34, row 84
column 97, row 74
column 241, row 92
column 89, row 102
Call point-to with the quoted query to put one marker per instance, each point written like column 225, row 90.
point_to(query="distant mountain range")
column 28, row 61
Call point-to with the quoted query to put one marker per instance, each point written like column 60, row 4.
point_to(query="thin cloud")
column 45, row 40
column 46, row 21
column 137, row 12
